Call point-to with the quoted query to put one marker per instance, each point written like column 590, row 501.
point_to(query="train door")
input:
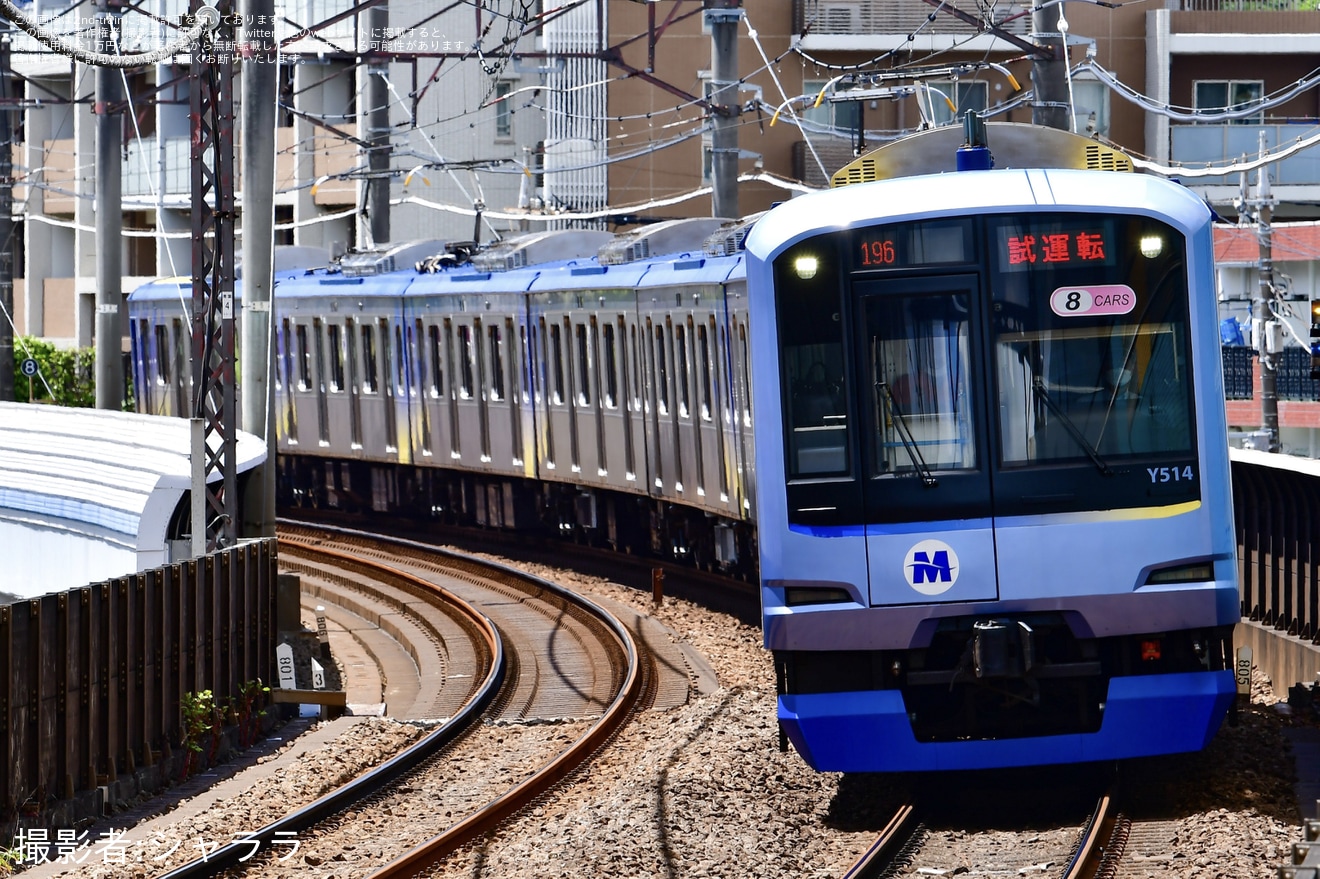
column 435, row 383
column 484, row 391
column 924, row 460
column 740, row 367
column 574, row 441
column 597, row 401
column 354, row 397
column 514, row 342
column 322, row 412
column 286, row 370
column 451, row 399
column 616, row 390
column 182, row 383
column 541, row 393
column 387, row 388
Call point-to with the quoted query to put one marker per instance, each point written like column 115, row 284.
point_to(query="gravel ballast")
column 702, row 790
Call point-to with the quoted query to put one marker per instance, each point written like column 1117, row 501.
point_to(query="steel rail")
column 1092, row 847
column 489, row 817
column 233, row 854
column 890, row 842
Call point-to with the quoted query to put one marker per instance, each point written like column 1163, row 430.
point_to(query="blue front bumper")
column 1144, row 715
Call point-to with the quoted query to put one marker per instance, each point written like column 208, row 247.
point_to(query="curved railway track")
column 552, row 661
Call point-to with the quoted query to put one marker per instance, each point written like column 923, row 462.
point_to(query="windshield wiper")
column 909, row 441
column 1092, row 452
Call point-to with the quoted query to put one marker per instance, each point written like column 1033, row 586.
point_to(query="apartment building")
column 602, row 122
column 441, row 126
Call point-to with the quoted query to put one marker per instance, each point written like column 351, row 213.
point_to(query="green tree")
column 66, row 377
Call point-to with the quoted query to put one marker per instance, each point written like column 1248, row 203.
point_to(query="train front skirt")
column 1144, row 715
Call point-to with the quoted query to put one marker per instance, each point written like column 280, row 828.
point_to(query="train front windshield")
column 1029, row 361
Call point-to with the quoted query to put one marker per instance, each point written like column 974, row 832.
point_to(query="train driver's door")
column 929, row 533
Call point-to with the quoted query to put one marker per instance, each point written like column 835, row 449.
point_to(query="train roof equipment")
column 671, row 236
column 546, row 246
column 388, row 257
column 1014, row 144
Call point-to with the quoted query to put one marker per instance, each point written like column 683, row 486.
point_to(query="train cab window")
column 304, row 358
column 611, row 367
column 918, row 366
column 813, row 380
column 162, row 354
column 703, row 348
column 1091, row 346
column 336, row 358
column 369, row 365
column 557, row 363
column 681, row 369
column 496, row 362
column 583, row 376
column 465, row 355
column 437, row 362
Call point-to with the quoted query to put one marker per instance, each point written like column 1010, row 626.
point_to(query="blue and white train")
column 985, row 483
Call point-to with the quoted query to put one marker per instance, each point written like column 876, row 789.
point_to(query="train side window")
column 465, row 361
column 286, row 353
column 336, row 359
column 496, row 362
column 682, row 370
column 369, row 367
column 557, row 362
column 610, row 356
column 517, row 363
column 703, row 345
column 661, row 372
column 417, row 344
column 162, row 354
column 583, row 365
column 437, row 363
column 304, row 358
column 400, row 360
column 636, row 376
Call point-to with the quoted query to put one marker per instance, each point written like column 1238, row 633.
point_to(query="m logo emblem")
column 931, row 567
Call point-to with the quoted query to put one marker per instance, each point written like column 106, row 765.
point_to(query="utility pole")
column 109, row 219
column 723, row 17
column 1049, row 74
column 6, row 227
column 377, row 96
column 1266, row 329
column 260, row 84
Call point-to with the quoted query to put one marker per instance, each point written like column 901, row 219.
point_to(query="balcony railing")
column 1197, row 145
column 1242, row 5
column 1292, row 382
column 841, row 17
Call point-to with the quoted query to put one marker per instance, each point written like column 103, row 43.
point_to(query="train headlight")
column 1151, row 246
column 806, row 267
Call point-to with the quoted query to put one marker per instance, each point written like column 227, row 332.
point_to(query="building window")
column 842, row 116
column 970, row 95
column 503, row 111
column 1227, row 94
